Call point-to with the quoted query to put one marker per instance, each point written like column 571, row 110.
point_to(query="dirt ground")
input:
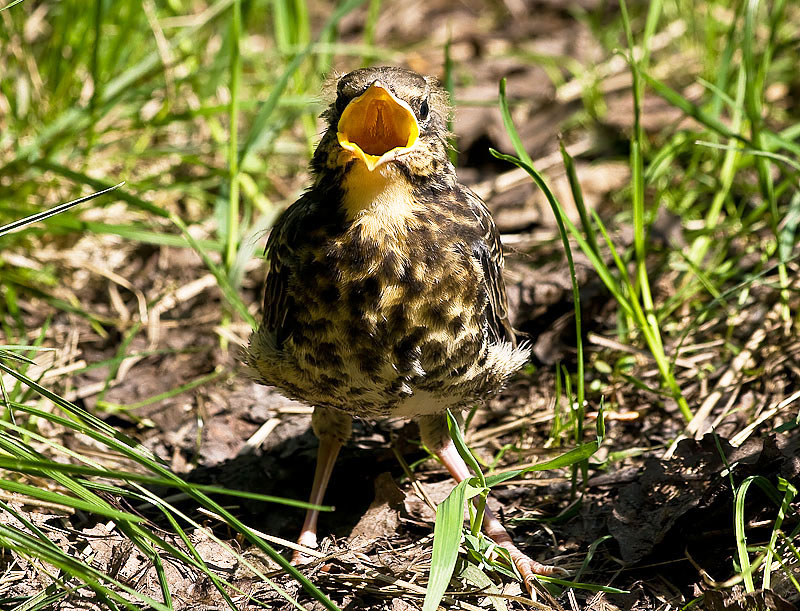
column 660, row 515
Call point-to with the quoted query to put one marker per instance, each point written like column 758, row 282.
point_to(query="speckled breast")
column 390, row 328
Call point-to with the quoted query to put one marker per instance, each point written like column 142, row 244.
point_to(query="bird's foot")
column 529, row 568
column 434, row 433
column 307, row 539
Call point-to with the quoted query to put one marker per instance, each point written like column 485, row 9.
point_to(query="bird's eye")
column 424, row 110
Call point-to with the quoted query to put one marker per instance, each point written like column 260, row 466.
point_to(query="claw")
column 529, row 568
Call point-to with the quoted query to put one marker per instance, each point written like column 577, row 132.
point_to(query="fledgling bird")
column 385, row 295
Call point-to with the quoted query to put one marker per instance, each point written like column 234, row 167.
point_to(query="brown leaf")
column 381, row 518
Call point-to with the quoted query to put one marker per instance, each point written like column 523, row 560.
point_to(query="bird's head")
column 388, row 115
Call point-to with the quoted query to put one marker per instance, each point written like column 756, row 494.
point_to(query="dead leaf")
column 381, row 518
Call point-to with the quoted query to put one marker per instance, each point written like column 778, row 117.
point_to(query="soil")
column 657, row 517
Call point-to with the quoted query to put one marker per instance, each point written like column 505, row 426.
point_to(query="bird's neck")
column 381, row 202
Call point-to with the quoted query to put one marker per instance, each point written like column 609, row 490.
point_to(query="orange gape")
column 376, row 124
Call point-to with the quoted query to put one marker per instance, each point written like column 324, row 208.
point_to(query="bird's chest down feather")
column 386, row 326
column 381, row 323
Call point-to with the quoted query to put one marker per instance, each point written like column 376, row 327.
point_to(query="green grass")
column 447, row 535
column 77, row 487
column 67, row 138
column 204, row 132
column 732, row 190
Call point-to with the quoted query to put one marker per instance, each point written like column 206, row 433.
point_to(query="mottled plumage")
column 392, row 307
column 384, row 293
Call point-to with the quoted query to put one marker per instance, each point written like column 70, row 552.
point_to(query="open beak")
column 376, row 126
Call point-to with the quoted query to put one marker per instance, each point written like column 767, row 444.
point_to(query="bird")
column 384, row 295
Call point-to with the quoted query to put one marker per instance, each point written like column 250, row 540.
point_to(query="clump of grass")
column 82, row 484
column 719, row 173
column 740, row 153
column 113, row 96
column 79, row 483
column 134, row 92
column 447, row 534
column 742, row 177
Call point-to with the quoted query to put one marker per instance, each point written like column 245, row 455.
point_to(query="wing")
column 489, row 252
column 279, row 254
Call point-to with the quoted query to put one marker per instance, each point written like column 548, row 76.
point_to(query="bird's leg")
column 326, row 457
column 437, row 438
column 491, row 525
column 333, row 429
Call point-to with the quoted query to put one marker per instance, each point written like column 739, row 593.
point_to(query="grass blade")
column 232, row 225
column 13, row 3
column 40, row 216
column 574, row 456
column 789, row 493
column 559, row 215
column 41, row 467
column 446, row 539
column 577, row 196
